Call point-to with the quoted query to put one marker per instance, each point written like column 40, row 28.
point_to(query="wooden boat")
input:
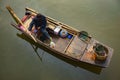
column 76, row 45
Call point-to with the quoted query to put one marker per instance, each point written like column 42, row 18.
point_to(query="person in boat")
column 40, row 22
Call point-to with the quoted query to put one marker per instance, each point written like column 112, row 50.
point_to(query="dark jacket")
column 38, row 23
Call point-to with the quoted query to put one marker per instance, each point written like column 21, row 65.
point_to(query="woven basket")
column 104, row 51
column 99, row 57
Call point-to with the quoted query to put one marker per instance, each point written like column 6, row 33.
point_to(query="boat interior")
column 70, row 45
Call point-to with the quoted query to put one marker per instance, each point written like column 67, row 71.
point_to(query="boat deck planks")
column 61, row 44
column 76, row 48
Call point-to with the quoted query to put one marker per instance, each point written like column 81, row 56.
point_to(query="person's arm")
column 31, row 25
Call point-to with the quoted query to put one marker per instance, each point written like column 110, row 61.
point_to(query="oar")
column 18, row 21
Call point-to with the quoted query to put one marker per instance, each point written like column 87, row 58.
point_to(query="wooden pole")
column 18, row 21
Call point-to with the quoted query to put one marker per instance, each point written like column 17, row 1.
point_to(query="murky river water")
column 19, row 61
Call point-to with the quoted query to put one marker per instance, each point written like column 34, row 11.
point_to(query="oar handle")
column 18, row 21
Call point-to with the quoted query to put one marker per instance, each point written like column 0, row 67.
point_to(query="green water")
column 19, row 61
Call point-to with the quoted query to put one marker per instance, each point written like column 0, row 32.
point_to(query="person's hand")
column 35, row 31
column 52, row 44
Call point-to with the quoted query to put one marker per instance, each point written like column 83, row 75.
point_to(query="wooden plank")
column 76, row 48
column 51, row 26
column 18, row 21
column 61, row 44
column 68, row 44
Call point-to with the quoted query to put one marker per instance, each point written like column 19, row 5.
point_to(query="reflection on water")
column 83, row 65
column 35, row 49
column 32, row 43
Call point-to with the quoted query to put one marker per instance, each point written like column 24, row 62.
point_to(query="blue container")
column 69, row 36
